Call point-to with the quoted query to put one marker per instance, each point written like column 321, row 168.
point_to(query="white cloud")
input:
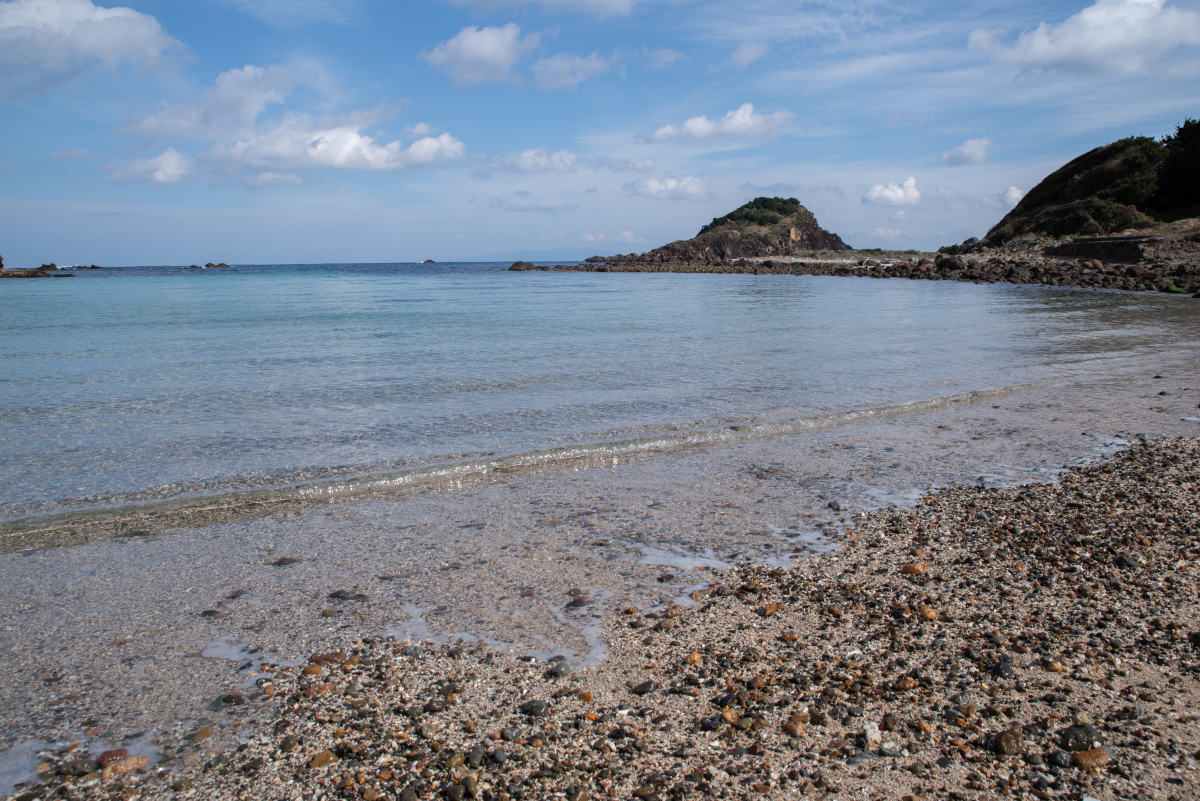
column 621, row 165
column 500, row 203
column 168, row 167
column 292, row 12
column 748, row 53
column 662, row 58
column 1108, row 36
column 899, row 216
column 886, row 233
column 419, row 129
column 601, row 8
column 481, row 55
column 45, row 43
column 539, row 159
column 741, row 122
column 266, row 179
column 688, row 188
column 624, row 236
column 902, row 194
column 972, row 151
column 299, row 141
column 238, row 97
column 565, row 71
column 1012, row 196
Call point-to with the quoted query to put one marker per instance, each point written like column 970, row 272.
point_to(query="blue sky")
column 276, row 131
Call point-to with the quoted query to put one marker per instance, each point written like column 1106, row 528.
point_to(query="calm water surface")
column 118, row 381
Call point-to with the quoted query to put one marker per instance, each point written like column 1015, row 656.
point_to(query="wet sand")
column 134, row 641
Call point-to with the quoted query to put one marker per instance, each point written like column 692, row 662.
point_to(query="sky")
column 316, row 131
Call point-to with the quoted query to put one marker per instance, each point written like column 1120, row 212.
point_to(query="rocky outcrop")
column 763, row 228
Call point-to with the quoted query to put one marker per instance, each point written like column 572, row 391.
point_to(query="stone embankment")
column 1167, row 263
column 1042, row 641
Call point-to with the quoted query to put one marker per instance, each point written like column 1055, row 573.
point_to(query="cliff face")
column 762, row 228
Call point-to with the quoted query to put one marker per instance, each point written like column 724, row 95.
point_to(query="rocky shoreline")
column 1039, row 641
column 1167, row 261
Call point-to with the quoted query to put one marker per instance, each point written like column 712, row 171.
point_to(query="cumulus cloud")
column 741, row 122
column 481, row 55
column 565, row 71
column 688, row 188
column 1108, row 36
column 299, row 141
column 236, row 100
column 748, row 53
column 45, row 43
column 972, row 151
column 621, row 165
column 271, row 153
column 539, row 159
column 168, row 167
column 1012, row 196
column 902, row 194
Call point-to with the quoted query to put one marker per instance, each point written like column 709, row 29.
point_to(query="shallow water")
column 152, row 383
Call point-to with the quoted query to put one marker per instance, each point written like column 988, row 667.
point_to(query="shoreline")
column 995, row 641
column 1164, row 262
column 140, row 637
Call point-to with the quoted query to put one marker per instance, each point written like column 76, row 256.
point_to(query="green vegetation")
column 950, row 250
column 764, row 211
column 1131, row 183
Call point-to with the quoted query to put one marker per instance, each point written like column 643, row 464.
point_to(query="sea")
column 135, row 384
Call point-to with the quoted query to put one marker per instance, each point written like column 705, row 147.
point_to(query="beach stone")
column 1091, row 760
column 289, row 743
column 322, row 759
column 914, row 568
column 644, row 688
column 112, row 755
column 80, row 767
column 412, row 650
column 455, row 792
column 428, row 731
column 1011, row 742
column 871, row 735
column 1059, row 759
column 123, row 766
column 1081, row 737
column 534, row 709
column 559, row 670
column 510, row 734
column 408, row 794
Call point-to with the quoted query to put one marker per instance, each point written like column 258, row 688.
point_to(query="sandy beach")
column 139, row 642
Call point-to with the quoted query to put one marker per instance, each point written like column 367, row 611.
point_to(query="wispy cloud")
column 538, row 159
column 285, row 13
column 566, row 71
column 747, row 53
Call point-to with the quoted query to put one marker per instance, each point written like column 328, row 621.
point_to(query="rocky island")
column 1121, row 216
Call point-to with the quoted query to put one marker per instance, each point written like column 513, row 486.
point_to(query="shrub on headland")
column 1131, row 183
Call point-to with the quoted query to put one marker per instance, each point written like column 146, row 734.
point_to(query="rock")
column 693, row 659
column 1059, row 759
column 872, row 735
column 203, row 733
column 289, row 743
column 534, row 709
column 455, row 792
column 914, row 568
column 644, row 688
column 770, row 609
column 1091, row 760
column 80, row 767
column 322, row 759
column 429, row 261
column 1080, row 737
column 347, row 595
column 521, row 266
column 123, row 766
column 113, row 755
column 1010, row 743
column 428, row 731
column 559, row 670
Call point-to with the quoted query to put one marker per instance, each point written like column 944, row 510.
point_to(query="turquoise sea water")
column 131, row 382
